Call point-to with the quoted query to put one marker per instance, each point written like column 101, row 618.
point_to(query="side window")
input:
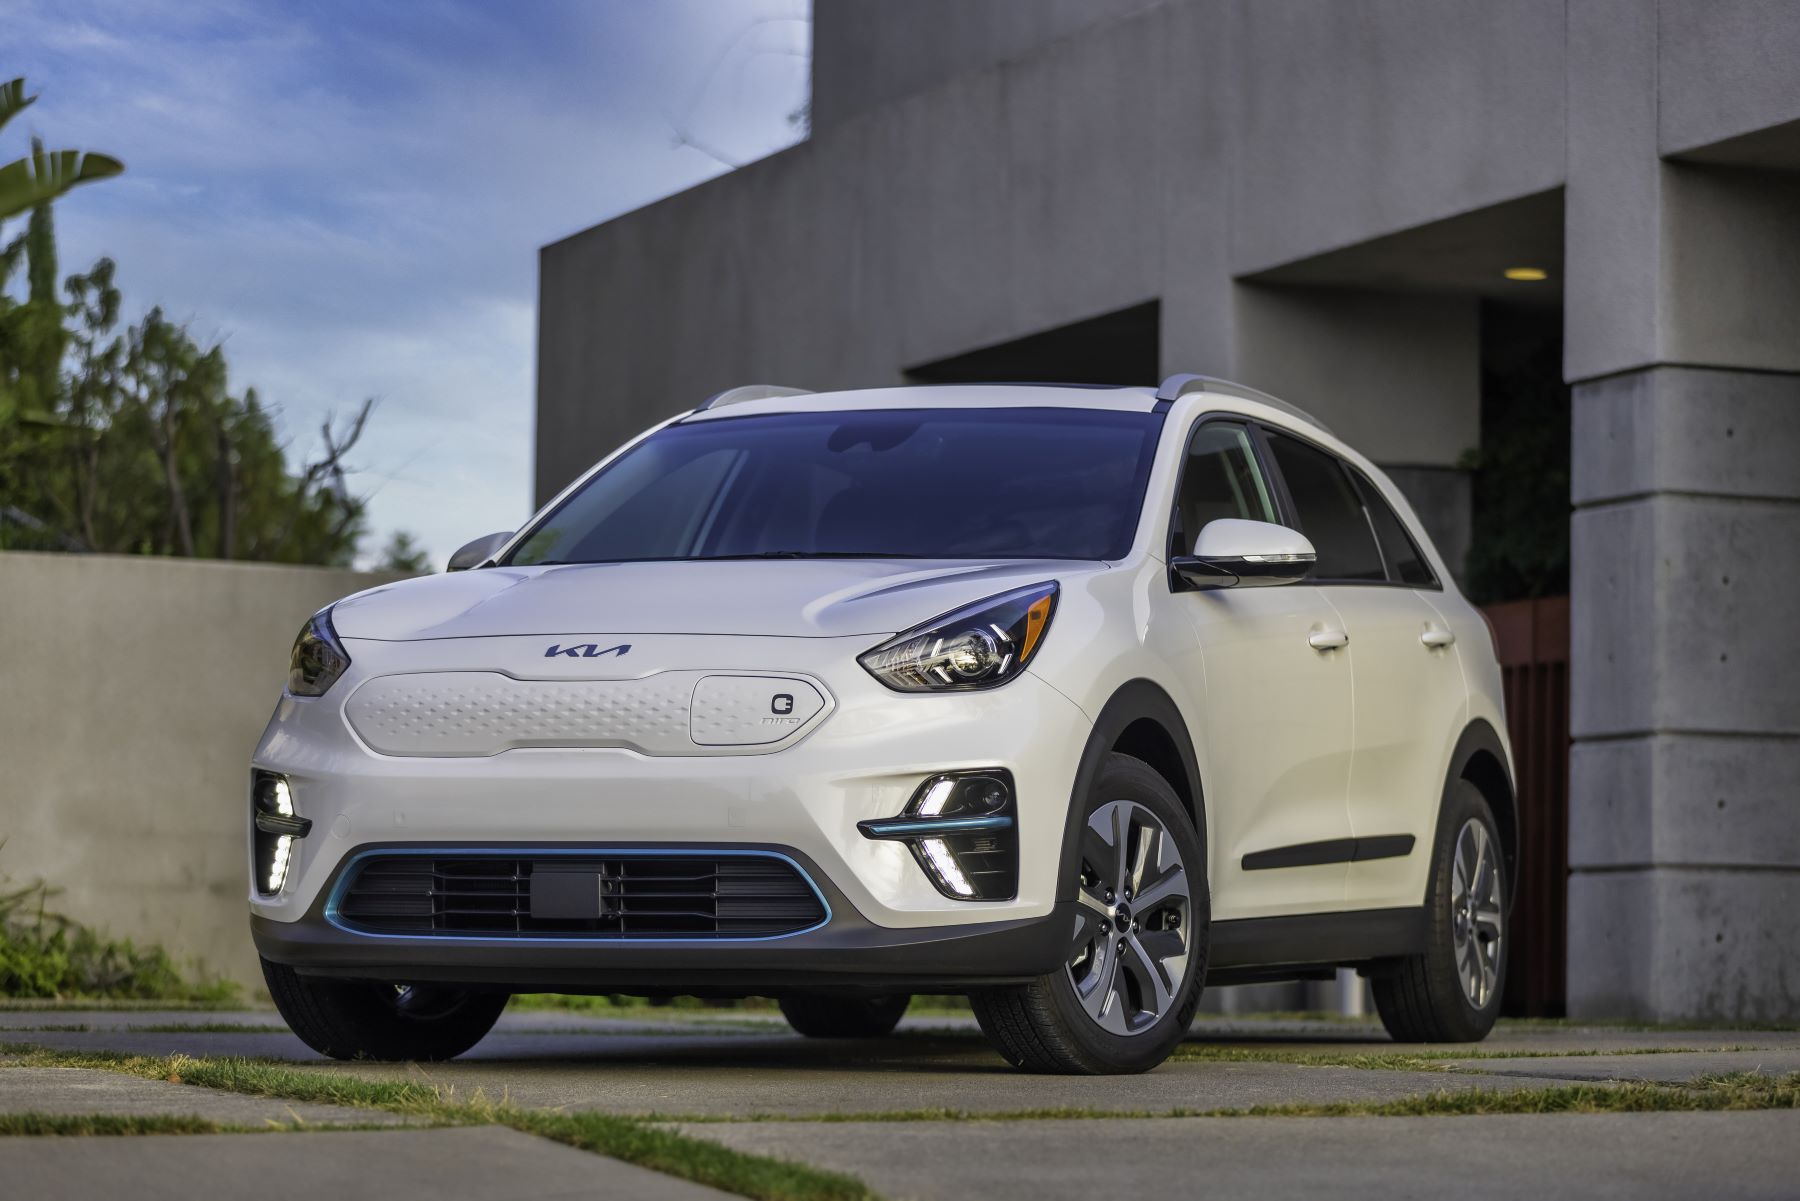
column 1329, row 511
column 1220, row 479
column 1406, row 563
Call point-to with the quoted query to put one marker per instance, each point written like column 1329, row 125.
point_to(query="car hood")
column 801, row 598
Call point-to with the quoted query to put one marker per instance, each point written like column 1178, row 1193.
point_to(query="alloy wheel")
column 1476, row 914
column 1134, row 929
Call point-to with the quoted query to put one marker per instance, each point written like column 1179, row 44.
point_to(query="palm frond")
column 13, row 99
column 47, row 174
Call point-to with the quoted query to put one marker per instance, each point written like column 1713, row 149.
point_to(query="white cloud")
column 353, row 195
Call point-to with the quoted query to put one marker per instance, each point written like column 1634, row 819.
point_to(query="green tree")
column 404, row 554
column 152, row 453
column 31, row 334
column 33, row 182
column 132, row 441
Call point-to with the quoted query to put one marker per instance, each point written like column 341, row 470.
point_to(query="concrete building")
column 1321, row 198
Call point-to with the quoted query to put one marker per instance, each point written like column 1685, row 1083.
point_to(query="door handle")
column 1327, row 638
column 1437, row 637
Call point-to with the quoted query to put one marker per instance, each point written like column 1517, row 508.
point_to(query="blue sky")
column 351, row 194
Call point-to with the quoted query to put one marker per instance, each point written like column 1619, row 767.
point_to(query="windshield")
column 1018, row 483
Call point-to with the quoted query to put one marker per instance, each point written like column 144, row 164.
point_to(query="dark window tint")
column 1220, row 479
column 1329, row 512
column 1405, row 563
column 1016, row 483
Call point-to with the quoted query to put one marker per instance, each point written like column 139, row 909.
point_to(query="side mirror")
column 474, row 554
column 1232, row 553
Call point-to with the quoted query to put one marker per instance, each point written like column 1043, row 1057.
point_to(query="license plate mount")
column 565, row 895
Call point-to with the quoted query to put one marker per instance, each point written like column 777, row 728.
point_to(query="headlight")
column 318, row 658
column 980, row 646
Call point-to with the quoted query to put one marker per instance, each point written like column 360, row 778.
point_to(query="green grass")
column 1404, row 1061
column 78, row 1004
column 1634, row 1025
column 1736, row 1091
column 14, row 1124
column 628, row 1139
column 83, row 1124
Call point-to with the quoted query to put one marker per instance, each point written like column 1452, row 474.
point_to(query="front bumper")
column 848, row 953
column 862, row 761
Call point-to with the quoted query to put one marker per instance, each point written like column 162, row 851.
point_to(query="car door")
column 1409, row 692
column 1277, row 710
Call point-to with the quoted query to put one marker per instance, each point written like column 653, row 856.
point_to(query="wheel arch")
column 1140, row 720
column 1480, row 758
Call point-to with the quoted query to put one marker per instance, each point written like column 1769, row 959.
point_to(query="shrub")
column 44, row 954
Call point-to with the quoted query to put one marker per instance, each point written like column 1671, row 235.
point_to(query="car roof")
column 943, row 396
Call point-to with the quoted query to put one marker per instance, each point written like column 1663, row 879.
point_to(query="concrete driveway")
column 933, row 1113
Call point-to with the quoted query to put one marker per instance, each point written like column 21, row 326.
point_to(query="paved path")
column 1634, row 1157
column 75, row 1091
column 1665, row 1069
column 735, row 1066
column 473, row 1162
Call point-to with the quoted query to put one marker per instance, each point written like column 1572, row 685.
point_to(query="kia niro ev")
column 1066, row 699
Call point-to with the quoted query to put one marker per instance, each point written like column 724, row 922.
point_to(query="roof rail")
column 1177, row 386
column 743, row 392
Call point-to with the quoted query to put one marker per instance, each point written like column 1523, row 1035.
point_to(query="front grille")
column 639, row 896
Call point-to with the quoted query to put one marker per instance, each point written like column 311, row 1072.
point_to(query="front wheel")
column 366, row 1019
column 1451, row 992
column 1137, row 946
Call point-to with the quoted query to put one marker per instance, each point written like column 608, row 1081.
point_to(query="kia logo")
column 781, row 702
column 586, row 650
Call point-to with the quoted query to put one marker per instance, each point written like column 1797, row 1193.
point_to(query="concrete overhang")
column 1464, row 255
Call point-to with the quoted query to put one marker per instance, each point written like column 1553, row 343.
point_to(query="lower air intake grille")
column 636, row 896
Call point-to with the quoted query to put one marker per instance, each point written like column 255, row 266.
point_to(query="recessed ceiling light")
column 1526, row 274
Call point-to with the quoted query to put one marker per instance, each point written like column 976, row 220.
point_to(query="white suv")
column 1066, row 699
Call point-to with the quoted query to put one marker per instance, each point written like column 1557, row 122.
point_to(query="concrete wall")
column 135, row 690
column 1726, row 69
column 1356, row 120
column 869, row 52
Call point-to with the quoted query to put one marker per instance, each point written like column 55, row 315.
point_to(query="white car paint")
column 1298, row 738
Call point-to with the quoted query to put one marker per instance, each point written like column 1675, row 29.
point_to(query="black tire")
column 1422, row 999
column 364, row 1019
column 1042, row 1026
column 819, row 1016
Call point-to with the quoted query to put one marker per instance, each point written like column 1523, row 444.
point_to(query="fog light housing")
column 274, row 828
column 962, row 829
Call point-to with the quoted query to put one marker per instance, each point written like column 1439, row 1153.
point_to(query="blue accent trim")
column 918, row 827
column 348, row 872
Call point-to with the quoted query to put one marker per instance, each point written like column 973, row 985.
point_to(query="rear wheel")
column 1137, row 948
column 818, row 1016
column 1451, row 993
column 366, row 1019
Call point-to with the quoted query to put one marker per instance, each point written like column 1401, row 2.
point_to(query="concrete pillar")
column 1683, row 349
